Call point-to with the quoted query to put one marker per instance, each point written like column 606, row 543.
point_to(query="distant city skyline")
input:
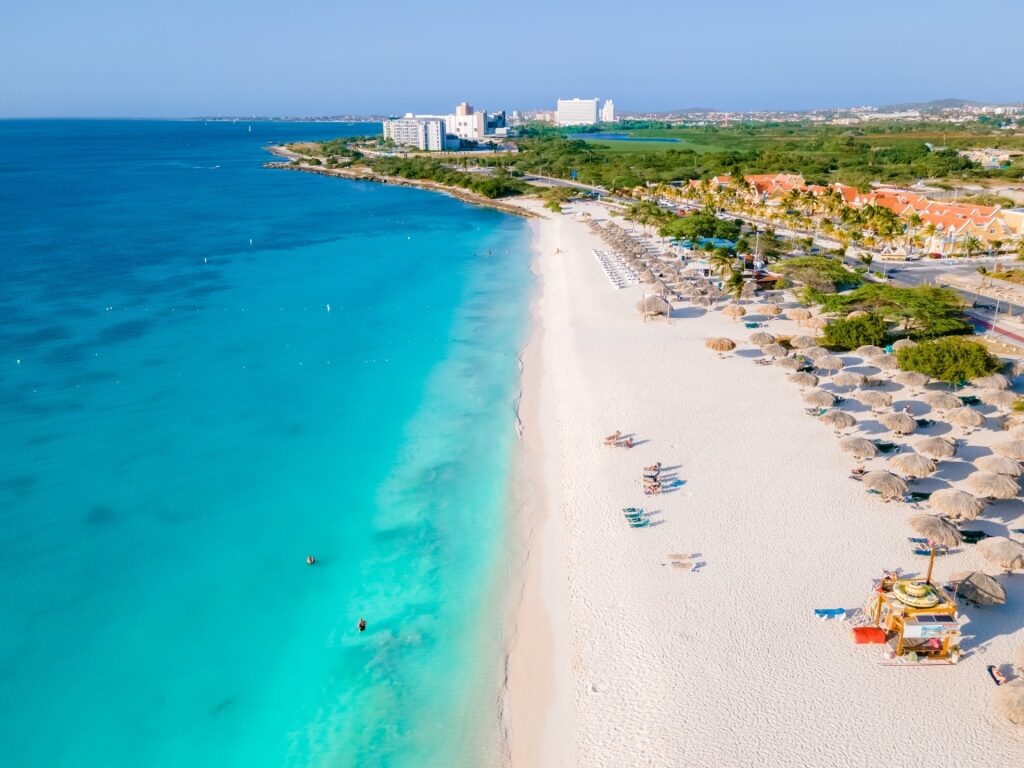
column 191, row 58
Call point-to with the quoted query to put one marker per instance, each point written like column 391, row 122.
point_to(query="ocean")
column 209, row 371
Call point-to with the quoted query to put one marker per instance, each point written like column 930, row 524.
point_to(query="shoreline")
column 362, row 173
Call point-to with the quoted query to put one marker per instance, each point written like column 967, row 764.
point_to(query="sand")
column 620, row 657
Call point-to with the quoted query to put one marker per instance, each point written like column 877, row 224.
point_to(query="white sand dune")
column 725, row 665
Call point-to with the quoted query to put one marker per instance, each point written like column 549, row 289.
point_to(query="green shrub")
column 951, row 359
column 856, row 332
column 820, row 273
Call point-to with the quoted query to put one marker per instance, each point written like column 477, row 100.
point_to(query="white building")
column 425, row 133
column 608, row 111
column 577, row 112
column 471, row 126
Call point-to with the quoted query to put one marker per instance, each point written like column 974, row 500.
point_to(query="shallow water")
column 184, row 419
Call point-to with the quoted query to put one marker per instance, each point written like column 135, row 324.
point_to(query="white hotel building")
column 424, row 133
column 584, row 112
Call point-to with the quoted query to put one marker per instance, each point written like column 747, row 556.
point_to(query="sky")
column 182, row 58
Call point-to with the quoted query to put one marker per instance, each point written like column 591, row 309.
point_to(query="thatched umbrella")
column 988, row 485
column 943, row 401
column 955, row 503
column 1010, row 701
column 999, row 550
column 735, row 311
column 935, row 448
column 979, row 588
column 886, row 483
column 829, row 363
column 874, row 399
column 900, row 423
column 939, row 532
column 646, row 276
column 774, row 350
column 820, row 398
column 1001, row 398
column 912, row 465
column 965, row 416
column 814, row 351
column 886, row 362
column 720, row 344
column 904, row 344
column 839, row 419
column 801, row 342
column 774, row 298
column 818, row 322
column 999, row 465
column 848, row 379
column 800, row 315
column 761, row 339
column 869, row 350
column 855, row 314
column 911, row 379
column 660, row 288
column 654, row 305
column 703, row 301
column 789, row 362
column 860, row 447
column 992, row 381
column 803, row 379
column 1012, row 448
column 771, row 310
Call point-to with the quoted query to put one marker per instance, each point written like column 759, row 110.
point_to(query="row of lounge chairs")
column 619, row 274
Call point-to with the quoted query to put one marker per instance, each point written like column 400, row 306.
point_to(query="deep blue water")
column 183, row 420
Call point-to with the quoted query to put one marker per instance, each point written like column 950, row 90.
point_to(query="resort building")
column 577, row 112
column 424, row 133
column 470, row 126
column 608, row 111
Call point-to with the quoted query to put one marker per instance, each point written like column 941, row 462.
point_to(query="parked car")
column 934, row 255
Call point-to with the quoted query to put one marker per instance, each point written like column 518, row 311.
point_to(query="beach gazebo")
column 917, row 619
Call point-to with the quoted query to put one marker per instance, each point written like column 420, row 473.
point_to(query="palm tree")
column 722, row 262
column 734, row 285
column 972, row 246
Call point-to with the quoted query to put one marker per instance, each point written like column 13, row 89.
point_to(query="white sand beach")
column 621, row 658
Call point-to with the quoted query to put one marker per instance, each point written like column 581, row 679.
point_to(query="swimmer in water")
column 310, row 560
column 362, row 625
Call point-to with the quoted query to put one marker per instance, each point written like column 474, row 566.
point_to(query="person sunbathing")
column 652, row 490
column 653, row 467
column 651, row 480
column 997, row 677
column 627, row 443
column 858, row 471
column 613, row 439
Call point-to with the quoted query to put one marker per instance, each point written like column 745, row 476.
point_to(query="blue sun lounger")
column 829, row 613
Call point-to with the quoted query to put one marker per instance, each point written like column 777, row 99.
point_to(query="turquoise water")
column 184, row 420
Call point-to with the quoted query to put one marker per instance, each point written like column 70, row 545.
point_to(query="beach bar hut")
column 918, row 619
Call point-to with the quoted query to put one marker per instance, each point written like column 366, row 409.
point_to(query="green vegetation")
column 893, row 153
column 924, row 311
column 497, row 184
column 701, row 224
column 820, row 274
column 855, row 332
column 953, row 359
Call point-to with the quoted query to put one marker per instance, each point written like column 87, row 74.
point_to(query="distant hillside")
column 931, row 106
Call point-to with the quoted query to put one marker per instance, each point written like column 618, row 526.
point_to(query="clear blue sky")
column 315, row 57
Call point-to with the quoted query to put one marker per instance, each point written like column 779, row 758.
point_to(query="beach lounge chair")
column 633, row 512
column 916, row 540
column 829, row 613
column 969, row 400
column 885, row 447
column 753, row 325
column 642, row 522
column 1017, row 530
column 924, row 423
column 928, row 553
column 915, row 496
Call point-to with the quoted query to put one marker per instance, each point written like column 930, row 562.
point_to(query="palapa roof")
column 848, row 379
column 988, row 485
column 900, row 423
column 774, row 350
column 955, row 503
column 875, row 399
column 912, row 464
column 911, row 378
column 839, row 419
column 828, row 362
column 979, row 588
column 803, row 379
column 1012, row 448
column 965, row 416
column 992, row 381
column 936, row 529
column 943, row 401
column 1009, row 701
column 904, row 344
column 860, row 447
column 935, row 448
column 886, row 483
column 869, row 350
column 761, row 339
column 999, row 550
column 999, row 465
column 820, row 397
column 720, row 344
